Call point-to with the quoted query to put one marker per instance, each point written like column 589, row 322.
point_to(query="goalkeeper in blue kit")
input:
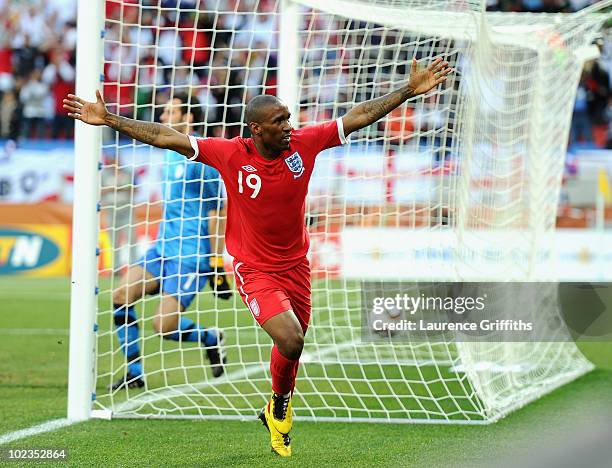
column 186, row 256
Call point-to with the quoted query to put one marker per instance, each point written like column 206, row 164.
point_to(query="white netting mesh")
column 459, row 184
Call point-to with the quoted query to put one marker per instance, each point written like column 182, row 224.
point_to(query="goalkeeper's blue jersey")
column 191, row 190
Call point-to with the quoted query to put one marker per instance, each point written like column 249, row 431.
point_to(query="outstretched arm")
column 420, row 82
column 156, row 134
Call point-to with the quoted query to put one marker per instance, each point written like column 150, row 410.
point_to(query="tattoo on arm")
column 146, row 132
column 378, row 108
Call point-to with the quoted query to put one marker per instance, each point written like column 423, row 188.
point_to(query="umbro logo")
column 249, row 168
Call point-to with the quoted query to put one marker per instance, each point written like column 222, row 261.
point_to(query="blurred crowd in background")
column 225, row 58
column 38, row 45
column 37, row 67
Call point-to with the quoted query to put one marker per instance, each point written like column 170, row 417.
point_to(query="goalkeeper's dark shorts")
column 178, row 278
column 268, row 294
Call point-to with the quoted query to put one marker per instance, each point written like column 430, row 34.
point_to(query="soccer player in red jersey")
column 266, row 179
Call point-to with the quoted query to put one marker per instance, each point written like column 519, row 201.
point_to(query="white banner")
column 41, row 172
column 28, row 176
column 406, row 254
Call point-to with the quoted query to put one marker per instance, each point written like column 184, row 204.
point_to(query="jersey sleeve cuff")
column 196, row 149
column 341, row 135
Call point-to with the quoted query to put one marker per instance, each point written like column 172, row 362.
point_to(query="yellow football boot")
column 277, row 417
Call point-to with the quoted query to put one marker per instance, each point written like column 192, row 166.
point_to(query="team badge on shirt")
column 295, row 165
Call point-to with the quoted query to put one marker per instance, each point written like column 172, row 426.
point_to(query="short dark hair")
column 190, row 104
column 254, row 107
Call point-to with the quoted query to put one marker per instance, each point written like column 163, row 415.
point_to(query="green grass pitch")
column 33, row 379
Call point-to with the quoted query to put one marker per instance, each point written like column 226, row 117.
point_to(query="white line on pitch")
column 34, row 331
column 48, row 426
column 66, row 332
column 13, row 294
column 237, row 375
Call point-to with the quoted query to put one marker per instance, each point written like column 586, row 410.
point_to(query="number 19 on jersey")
column 253, row 181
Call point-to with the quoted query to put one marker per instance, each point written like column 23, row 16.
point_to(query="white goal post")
column 461, row 184
column 87, row 140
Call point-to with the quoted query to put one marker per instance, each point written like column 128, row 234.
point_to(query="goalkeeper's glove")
column 218, row 280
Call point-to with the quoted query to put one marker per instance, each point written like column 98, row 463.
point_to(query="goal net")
column 460, row 184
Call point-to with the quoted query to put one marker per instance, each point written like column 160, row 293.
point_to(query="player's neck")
column 264, row 151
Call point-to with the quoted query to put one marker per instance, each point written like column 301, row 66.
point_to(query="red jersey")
column 266, row 199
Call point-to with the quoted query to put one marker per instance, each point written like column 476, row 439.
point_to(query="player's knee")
column 292, row 344
column 163, row 326
column 121, row 296
column 158, row 324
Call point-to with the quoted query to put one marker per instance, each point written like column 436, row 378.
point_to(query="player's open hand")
column 422, row 81
column 92, row 113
